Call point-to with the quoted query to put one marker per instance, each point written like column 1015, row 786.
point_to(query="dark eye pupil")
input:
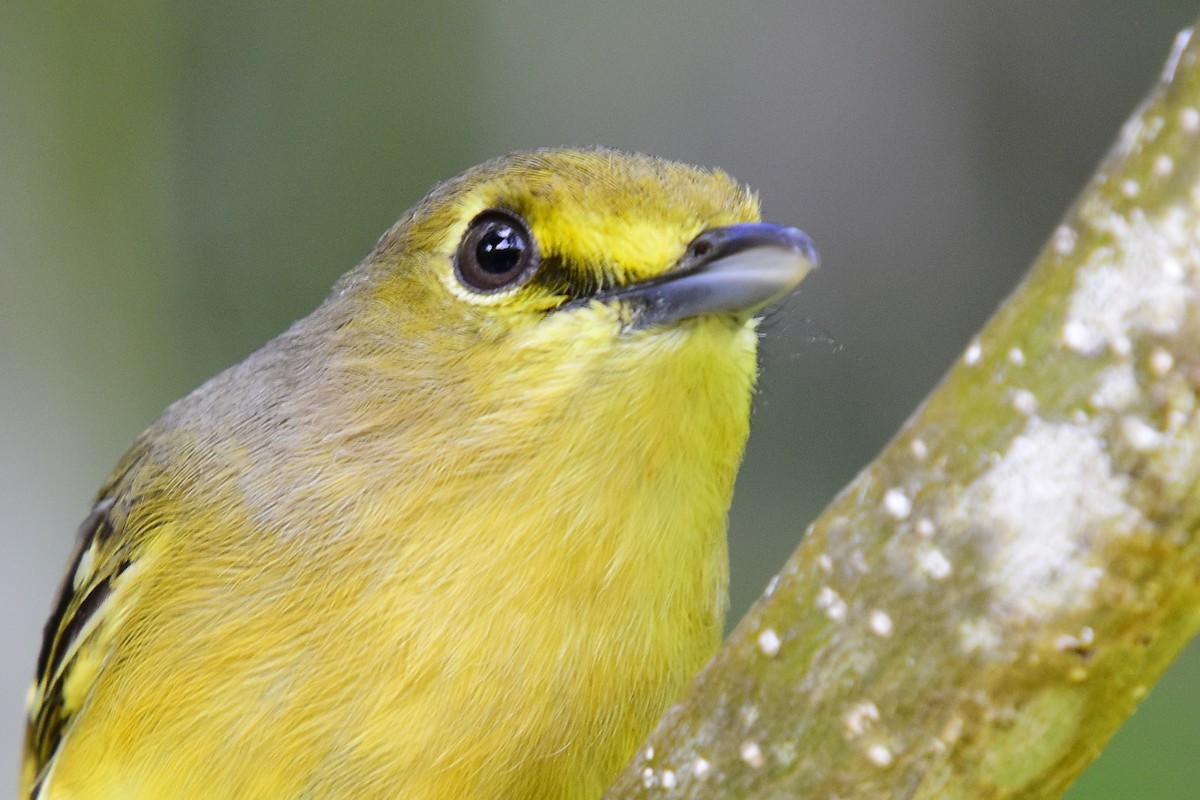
column 497, row 252
column 500, row 249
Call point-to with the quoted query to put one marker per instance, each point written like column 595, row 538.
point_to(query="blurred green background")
column 180, row 181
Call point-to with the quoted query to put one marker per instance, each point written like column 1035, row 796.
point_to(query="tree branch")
column 976, row 614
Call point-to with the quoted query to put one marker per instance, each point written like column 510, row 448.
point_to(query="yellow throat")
column 460, row 533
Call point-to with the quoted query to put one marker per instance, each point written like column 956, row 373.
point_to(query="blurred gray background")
column 180, row 181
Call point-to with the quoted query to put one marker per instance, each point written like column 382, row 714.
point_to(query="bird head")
column 532, row 243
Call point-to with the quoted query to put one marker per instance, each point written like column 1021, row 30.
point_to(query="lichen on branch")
column 981, row 608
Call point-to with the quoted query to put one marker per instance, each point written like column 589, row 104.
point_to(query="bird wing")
column 74, row 643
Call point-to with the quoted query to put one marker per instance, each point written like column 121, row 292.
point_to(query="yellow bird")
column 459, row 533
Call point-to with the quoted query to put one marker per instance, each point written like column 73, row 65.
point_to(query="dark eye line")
column 499, row 253
column 568, row 279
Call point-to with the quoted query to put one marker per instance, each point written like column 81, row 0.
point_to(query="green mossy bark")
column 977, row 613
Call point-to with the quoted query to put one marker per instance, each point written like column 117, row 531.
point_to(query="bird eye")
column 497, row 252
